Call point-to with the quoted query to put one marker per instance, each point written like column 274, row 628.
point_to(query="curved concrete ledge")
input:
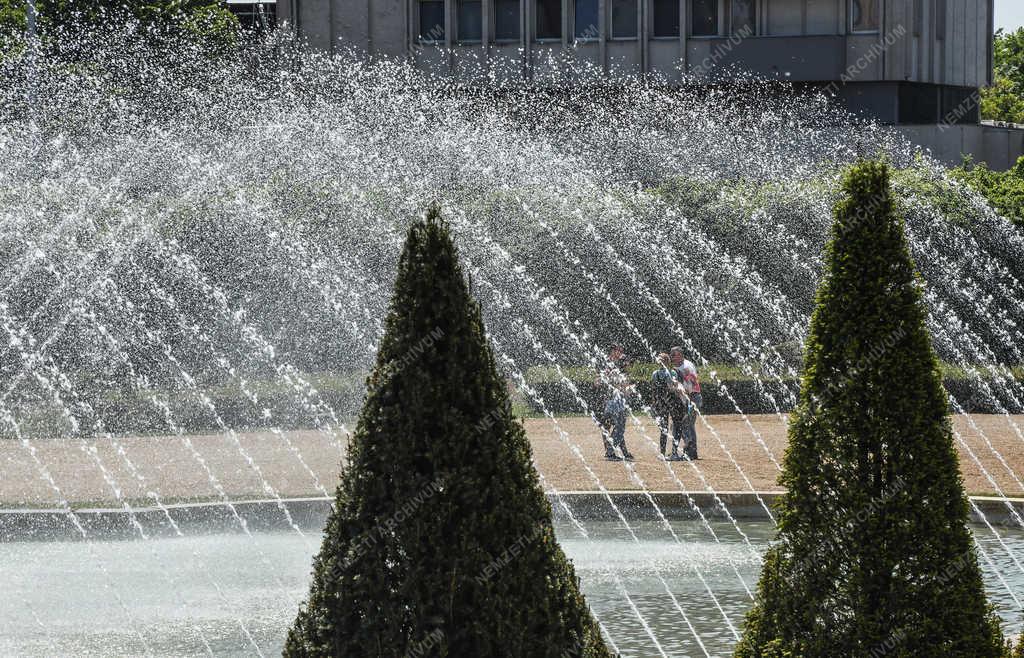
column 741, row 505
column 256, row 515
column 308, row 514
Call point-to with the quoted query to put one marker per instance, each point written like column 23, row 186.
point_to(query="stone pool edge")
column 307, row 514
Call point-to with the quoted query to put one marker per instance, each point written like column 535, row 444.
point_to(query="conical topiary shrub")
column 441, row 541
column 874, row 555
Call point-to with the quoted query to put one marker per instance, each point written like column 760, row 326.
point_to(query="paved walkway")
column 176, row 468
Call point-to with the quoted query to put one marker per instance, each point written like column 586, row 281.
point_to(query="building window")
column 822, row 17
column 549, row 19
column 506, row 20
column 471, row 21
column 665, row 17
column 585, row 20
column 704, row 18
column 258, row 15
column 431, row 21
column 624, row 19
column 785, row 17
column 864, row 15
column 743, row 18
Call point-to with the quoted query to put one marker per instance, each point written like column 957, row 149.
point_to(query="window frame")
column 800, row 32
column 458, row 24
column 722, row 22
column 875, row 30
column 730, row 29
column 834, row 30
column 679, row 24
column 419, row 23
column 835, row 23
column 494, row 23
column 611, row 22
column 597, row 12
column 561, row 24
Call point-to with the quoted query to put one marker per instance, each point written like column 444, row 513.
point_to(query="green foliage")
column 441, row 541
column 1004, row 190
column 746, row 383
column 1008, row 55
column 874, row 555
column 212, row 23
column 12, row 15
column 1004, row 100
column 204, row 19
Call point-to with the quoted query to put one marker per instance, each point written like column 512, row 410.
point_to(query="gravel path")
column 170, row 467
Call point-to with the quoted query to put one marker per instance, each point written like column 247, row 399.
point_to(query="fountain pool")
column 57, row 603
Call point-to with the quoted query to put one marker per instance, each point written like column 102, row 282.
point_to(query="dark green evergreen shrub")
column 441, row 541
column 560, row 398
column 874, row 555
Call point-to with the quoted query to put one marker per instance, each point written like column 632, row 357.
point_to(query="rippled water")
column 76, row 609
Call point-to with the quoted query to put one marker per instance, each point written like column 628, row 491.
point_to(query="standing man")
column 614, row 382
column 693, row 401
column 665, row 385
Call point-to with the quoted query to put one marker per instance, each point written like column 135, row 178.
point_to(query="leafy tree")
column 441, row 540
column 203, row 18
column 874, row 555
column 1004, row 190
column 211, row 22
column 1004, row 100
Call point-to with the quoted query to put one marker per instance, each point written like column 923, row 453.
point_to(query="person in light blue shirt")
column 615, row 385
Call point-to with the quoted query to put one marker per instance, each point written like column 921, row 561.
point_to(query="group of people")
column 675, row 403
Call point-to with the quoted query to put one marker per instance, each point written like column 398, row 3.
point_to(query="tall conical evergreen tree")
column 441, row 541
column 874, row 555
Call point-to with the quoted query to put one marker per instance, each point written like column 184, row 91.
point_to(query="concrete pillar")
column 641, row 35
column 684, row 29
column 526, row 32
column 485, row 36
column 567, row 24
column 369, row 26
column 449, row 38
column 602, row 28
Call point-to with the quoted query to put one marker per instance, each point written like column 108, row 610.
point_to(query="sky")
column 1009, row 14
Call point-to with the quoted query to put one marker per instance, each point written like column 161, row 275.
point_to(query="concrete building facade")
column 913, row 63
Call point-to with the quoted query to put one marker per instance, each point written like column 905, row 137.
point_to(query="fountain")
column 196, row 262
